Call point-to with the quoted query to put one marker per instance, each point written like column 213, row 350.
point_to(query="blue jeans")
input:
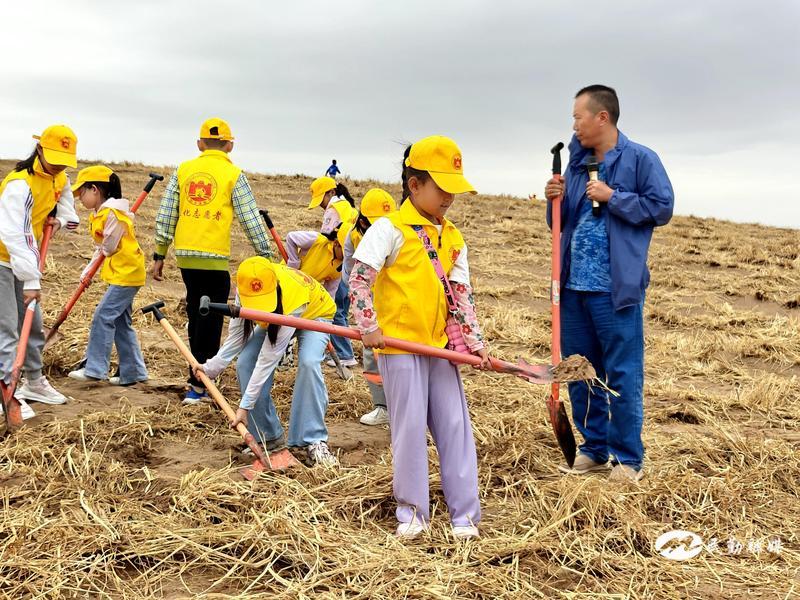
column 613, row 341
column 342, row 345
column 309, row 398
column 112, row 326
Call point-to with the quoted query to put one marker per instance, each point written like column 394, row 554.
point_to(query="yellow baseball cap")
column 377, row 203
column 90, row 174
column 216, row 129
column 59, row 145
column 439, row 156
column 318, row 188
column 257, row 283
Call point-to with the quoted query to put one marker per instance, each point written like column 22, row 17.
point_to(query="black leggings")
column 204, row 332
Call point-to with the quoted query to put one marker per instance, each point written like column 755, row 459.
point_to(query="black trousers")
column 204, row 332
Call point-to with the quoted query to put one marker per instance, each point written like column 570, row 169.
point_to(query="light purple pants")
column 426, row 393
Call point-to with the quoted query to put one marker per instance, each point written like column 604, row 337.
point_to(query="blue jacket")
column 642, row 199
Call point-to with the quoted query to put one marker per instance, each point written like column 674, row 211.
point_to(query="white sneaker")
column 377, row 416
column 114, row 380
column 410, row 530
column 320, row 454
column 26, row 410
column 80, row 375
column 465, row 532
column 346, row 362
column 40, row 391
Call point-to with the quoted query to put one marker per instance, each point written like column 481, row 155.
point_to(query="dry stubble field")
column 125, row 493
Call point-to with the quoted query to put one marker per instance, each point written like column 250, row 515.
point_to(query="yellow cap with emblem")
column 59, row 145
column 257, row 284
column 441, row 157
column 91, row 174
column 216, row 129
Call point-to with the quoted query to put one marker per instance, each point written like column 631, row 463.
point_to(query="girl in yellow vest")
column 317, row 255
column 397, row 260
column 375, row 204
column 36, row 188
column 265, row 286
column 340, row 211
column 111, row 226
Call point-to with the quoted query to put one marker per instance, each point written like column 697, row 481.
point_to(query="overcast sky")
column 713, row 87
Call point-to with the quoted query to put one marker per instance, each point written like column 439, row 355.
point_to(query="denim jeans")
column 112, row 326
column 342, row 345
column 309, row 398
column 613, row 341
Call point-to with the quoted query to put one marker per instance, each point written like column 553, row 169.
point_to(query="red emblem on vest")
column 457, row 161
column 201, row 189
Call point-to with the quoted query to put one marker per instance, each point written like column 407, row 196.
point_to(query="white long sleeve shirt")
column 16, row 229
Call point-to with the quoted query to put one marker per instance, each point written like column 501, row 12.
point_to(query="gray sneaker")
column 320, row 454
column 583, row 466
column 626, row 474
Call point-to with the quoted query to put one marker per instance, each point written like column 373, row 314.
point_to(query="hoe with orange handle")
column 11, row 406
column 274, row 461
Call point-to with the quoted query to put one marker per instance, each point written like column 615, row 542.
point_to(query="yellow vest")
column 409, row 298
column 126, row 266
column 45, row 190
column 206, row 209
column 298, row 288
column 319, row 262
column 348, row 214
column 355, row 237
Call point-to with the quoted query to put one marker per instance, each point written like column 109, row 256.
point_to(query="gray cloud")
column 305, row 81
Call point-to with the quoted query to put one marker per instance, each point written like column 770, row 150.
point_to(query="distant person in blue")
column 333, row 170
column 604, row 276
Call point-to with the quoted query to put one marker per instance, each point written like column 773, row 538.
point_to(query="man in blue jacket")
column 604, row 276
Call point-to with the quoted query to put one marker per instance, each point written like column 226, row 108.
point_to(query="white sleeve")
column 230, row 349
column 380, row 245
column 65, row 209
column 349, row 261
column 297, row 241
column 267, row 361
column 460, row 271
column 16, row 233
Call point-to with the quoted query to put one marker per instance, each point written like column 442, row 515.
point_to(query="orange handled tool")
column 558, row 415
column 277, row 460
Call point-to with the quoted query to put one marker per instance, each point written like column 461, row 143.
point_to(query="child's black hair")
column 333, row 235
column 341, row 190
column 362, row 224
column 408, row 173
column 109, row 189
column 272, row 329
column 27, row 163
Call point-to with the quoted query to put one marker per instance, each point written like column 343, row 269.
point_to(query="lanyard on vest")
column 452, row 308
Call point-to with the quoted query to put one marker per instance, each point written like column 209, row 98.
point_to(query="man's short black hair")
column 604, row 98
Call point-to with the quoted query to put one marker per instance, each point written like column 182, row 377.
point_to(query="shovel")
column 52, row 335
column 11, row 406
column 532, row 373
column 275, row 461
column 344, row 372
column 558, row 415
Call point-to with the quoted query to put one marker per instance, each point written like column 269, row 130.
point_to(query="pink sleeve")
column 113, row 232
column 295, row 242
column 362, row 278
column 470, row 328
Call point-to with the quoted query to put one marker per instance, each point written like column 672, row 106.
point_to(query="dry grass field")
column 126, row 493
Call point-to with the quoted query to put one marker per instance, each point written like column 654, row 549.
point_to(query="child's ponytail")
column 110, row 189
column 27, row 164
column 342, row 191
column 408, row 173
column 272, row 328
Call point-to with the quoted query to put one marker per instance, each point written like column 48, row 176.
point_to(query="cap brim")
column 56, row 157
column 316, row 201
column 453, row 183
column 264, row 302
column 76, row 186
